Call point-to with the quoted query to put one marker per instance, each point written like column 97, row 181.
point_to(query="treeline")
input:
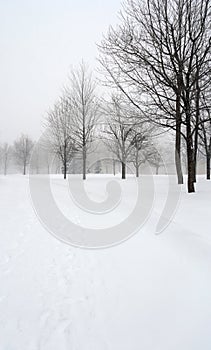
column 104, row 156
column 18, row 154
column 79, row 121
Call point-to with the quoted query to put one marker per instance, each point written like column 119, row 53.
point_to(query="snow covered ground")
column 148, row 293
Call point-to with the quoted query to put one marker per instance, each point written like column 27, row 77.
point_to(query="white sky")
column 39, row 41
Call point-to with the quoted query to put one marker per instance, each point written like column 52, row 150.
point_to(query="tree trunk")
column 191, row 173
column 65, row 160
column 24, row 168
column 5, row 168
column 157, row 170
column 209, row 160
column 197, row 123
column 191, row 163
column 84, row 163
column 137, row 165
column 178, row 142
column 137, row 170
column 208, row 166
column 123, row 170
column 189, row 143
column 65, row 170
column 195, row 151
column 114, row 167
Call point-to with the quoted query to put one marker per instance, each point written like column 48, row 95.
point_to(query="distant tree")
column 119, row 131
column 141, row 142
column 22, row 151
column 36, row 160
column 80, row 94
column 5, row 151
column 155, row 159
column 60, row 135
column 98, row 167
column 48, row 160
column 205, row 136
column 114, row 166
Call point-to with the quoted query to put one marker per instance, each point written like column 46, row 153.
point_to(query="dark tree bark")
column 189, row 144
column 24, row 169
column 123, row 170
column 137, row 169
column 208, row 165
column 178, row 153
column 84, row 162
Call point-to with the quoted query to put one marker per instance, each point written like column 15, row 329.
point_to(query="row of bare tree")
column 126, row 142
column 80, row 120
column 122, row 131
column 74, row 125
column 72, row 120
column 19, row 153
column 128, row 136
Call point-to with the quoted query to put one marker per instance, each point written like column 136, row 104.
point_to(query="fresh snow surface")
column 151, row 292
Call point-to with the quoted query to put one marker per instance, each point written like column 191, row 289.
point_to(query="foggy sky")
column 40, row 40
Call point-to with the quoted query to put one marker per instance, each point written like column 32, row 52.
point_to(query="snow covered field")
column 148, row 293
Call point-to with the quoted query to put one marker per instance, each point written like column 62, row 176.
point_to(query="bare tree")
column 205, row 134
column 80, row 94
column 155, row 159
column 5, row 151
column 60, row 135
column 47, row 155
column 205, row 140
column 158, row 56
column 141, row 141
column 22, row 151
column 119, row 133
column 35, row 163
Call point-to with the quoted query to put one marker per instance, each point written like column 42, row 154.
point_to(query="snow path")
column 151, row 292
